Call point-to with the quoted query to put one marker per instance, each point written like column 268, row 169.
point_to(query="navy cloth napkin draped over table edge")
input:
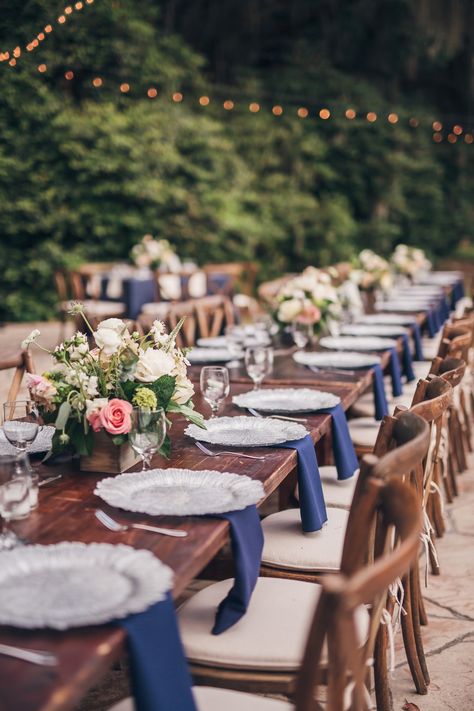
column 380, row 397
column 312, row 505
column 407, row 360
column 395, row 373
column 342, row 446
column 246, row 538
column 159, row 670
column 417, row 341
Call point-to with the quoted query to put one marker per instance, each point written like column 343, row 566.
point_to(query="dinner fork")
column 255, row 413
column 339, row 371
column 34, row 656
column 113, row 525
column 210, row 453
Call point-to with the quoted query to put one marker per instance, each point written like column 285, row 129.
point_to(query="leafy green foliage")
column 85, row 173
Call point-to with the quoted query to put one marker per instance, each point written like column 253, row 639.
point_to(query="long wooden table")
column 66, row 512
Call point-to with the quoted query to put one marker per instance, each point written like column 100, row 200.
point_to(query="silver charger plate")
column 75, row 584
column 287, row 400
column 406, row 306
column 242, row 431
column 357, row 343
column 180, row 492
column 211, row 355
column 251, row 341
column 385, row 318
column 348, row 360
column 42, row 443
column 362, row 329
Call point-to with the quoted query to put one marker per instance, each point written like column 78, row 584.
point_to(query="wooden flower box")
column 108, row 457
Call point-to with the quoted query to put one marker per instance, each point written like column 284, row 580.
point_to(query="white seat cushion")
column 209, row 698
column 364, row 431
column 159, row 310
column 98, row 308
column 338, row 493
column 270, row 636
column 286, row 546
column 421, row 368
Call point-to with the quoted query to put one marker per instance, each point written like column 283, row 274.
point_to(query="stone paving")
column 449, row 637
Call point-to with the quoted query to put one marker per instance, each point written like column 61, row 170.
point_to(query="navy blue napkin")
column 431, row 324
column 380, row 397
column 457, row 293
column 406, row 360
column 158, row 666
column 312, row 504
column 417, row 341
column 445, row 310
column 342, row 445
column 395, row 373
column 246, row 538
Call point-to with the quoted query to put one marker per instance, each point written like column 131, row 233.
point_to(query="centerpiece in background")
column 309, row 306
column 409, row 262
column 151, row 253
column 372, row 274
column 90, row 394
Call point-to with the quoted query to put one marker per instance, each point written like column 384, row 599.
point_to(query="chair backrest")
column 239, row 275
column 213, row 314
column 382, row 504
column 455, row 343
column 268, row 291
column 188, row 335
column 450, row 369
column 21, row 362
column 69, row 285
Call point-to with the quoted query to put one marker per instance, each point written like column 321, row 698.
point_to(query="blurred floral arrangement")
column 409, row 260
column 155, row 254
column 371, row 271
column 309, row 299
column 93, row 389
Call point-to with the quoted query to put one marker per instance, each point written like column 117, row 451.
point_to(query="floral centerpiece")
column 155, row 254
column 371, row 271
column 94, row 390
column 408, row 261
column 309, row 299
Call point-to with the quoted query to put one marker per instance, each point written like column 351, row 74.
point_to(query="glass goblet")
column 14, row 500
column 215, row 386
column 147, row 433
column 300, row 334
column 259, row 363
column 20, row 423
column 235, row 342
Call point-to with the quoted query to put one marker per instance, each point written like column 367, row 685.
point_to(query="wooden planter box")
column 107, row 457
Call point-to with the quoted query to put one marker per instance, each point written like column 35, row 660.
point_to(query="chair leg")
column 436, row 512
column 383, row 692
column 410, row 641
column 434, row 561
column 422, row 612
column 416, row 601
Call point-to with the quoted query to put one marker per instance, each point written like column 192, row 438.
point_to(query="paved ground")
column 449, row 638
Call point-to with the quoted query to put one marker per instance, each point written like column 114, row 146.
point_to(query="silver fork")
column 210, row 453
column 255, row 413
column 34, row 656
column 113, row 525
column 340, row 371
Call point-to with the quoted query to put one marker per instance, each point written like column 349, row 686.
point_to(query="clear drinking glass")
column 14, row 500
column 259, row 363
column 147, row 433
column 20, row 423
column 214, row 386
column 300, row 334
column 235, row 342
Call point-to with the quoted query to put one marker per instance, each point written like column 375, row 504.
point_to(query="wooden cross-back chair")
column 240, row 275
column 213, row 314
column 455, row 342
column 188, row 334
column 334, row 654
column 21, row 362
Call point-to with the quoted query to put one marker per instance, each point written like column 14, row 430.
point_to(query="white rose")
column 95, row 405
column 289, row 310
column 152, row 364
column 184, row 390
column 113, row 324
column 108, row 340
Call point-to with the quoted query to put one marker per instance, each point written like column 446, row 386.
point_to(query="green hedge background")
column 85, row 172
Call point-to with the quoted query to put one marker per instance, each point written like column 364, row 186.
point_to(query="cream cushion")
column 270, row 636
column 338, row 493
column 209, row 698
column 421, row 368
column 286, row 546
column 364, row 431
column 99, row 308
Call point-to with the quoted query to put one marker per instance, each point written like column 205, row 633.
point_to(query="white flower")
column 95, row 405
column 92, row 386
column 110, row 335
column 114, row 324
column 30, row 339
column 152, row 364
column 184, row 390
column 289, row 310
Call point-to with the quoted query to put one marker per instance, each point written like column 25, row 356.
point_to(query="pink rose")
column 310, row 314
column 115, row 417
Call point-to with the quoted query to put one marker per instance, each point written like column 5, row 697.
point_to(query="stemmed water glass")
column 14, row 500
column 20, row 423
column 235, row 342
column 301, row 334
column 259, row 363
column 147, row 433
column 214, row 386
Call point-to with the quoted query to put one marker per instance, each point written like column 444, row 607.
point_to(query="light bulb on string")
column 177, row 97
column 324, row 114
column 302, row 112
column 277, row 110
column 228, row 105
column 350, row 114
column 254, row 108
